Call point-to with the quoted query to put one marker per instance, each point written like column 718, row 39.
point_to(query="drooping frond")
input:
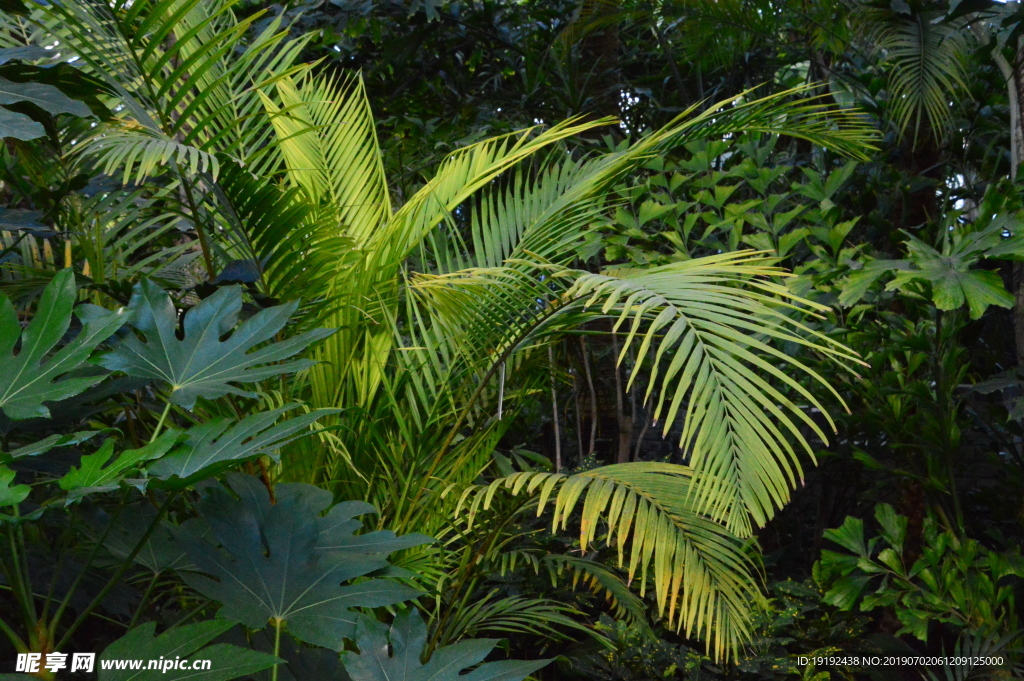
column 704, row 577
column 927, row 60
column 707, row 329
column 602, row 581
column 141, row 152
column 707, row 324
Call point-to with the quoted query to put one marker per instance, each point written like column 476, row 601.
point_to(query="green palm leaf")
column 703, row 576
column 928, row 63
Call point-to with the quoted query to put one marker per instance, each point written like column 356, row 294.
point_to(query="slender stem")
column 593, row 393
column 160, row 423
column 189, row 615
column 277, row 646
column 15, row 577
column 60, row 563
column 554, row 412
column 26, row 578
column 145, row 599
column 13, row 637
column 81, row 575
column 112, row 582
column 200, row 232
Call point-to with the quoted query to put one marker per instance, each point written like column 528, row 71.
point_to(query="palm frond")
column 603, row 582
column 492, row 614
column 326, row 135
column 927, row 58
column 143, row 153
column 704, row 577
column 712, row 320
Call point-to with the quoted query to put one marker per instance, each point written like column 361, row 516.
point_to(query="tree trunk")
column 599, row 50
column 625, row 423
column 1014, row 75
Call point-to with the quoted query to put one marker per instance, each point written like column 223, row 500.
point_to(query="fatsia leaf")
column 408, row 638
column 11, row 495
column 24, row 52
column 28, row 381
column 100, row 472
column 222, row 440
column 185, row 643
column 160, row 553
column 200, row 363
column 283, row 561
column 48, row 443
column 953, row 280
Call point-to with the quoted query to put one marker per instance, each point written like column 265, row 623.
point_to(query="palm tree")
column 447, row 304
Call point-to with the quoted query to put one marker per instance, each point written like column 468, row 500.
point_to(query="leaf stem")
column 13, row 637
column 145, row 599
column 115, row 578
column 160, row 423
column 81, row 575
column 15, row 577
column 277, row 646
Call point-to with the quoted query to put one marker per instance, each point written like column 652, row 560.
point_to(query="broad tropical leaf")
column 102, row 472
column 19, row 126
column 11, row 495
column 395, row 655
column 160, row 553
column 188, row 642
column 46, row 97
column 285, row 563
column 704, row 577
column 48, row 443
column 38, row 373
column 221, row 441
column 201, row 364
column 952, row 272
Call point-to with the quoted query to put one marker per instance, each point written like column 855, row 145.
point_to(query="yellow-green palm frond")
column 326, row 136
column 462, row 175
column 704, row 577
column 707, row 325
column 707, row 330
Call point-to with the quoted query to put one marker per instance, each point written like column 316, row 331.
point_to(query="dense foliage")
column 495, row 339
